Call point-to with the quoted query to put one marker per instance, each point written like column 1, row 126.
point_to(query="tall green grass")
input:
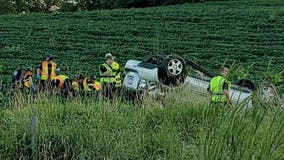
column 180, row 125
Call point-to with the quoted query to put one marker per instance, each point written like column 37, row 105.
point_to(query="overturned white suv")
column 161, row 71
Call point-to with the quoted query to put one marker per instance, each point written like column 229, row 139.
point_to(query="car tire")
column 246, row 84
column 172, row 70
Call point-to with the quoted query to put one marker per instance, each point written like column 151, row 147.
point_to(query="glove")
column 37, row 77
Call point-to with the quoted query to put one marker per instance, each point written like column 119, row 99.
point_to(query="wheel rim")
column 175, row 67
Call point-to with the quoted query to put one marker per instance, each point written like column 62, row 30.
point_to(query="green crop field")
column 248, row 32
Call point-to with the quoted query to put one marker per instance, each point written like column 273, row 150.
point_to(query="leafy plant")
column 240, row 71
column 273, row 76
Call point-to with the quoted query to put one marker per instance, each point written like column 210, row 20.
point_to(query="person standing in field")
column 219, row 87
column 46, row 72
column 117, row 70
column 108, row 77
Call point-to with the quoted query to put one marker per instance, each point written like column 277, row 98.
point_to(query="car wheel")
column 246, row 84
column 173, row 70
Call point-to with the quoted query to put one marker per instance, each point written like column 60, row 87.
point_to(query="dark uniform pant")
column 108, row 90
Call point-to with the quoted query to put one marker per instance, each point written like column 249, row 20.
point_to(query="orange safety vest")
column 44, row 71
column 28, row 73
column 26, row 79
column 61, row 79
column 95, row 85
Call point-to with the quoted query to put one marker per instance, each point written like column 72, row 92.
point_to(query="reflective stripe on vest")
column 61, row 79
column 44, row 71
column 85, row 85
column 107, row 79
column 116, row 67
column 217, row 90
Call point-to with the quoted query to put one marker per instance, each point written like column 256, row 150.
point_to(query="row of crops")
column 246, row 32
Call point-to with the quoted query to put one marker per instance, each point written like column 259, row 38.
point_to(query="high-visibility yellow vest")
column 26, row 79
column 44, row 72
column 75, row 86
column 108, row 79
column 97, row 85
column 90, row 86
column 27, row 83
column 116, row 68
column 61, row 79
column 28, row 73
column 217, row 90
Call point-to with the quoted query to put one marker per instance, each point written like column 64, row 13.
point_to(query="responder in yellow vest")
column 28, row 80
column 117, row 70
column 108, row 77
column 75, row 85
column 219, row 87
column 89, row 84
column 63, row 84
column 28, row 76
column 46, row 72
column 23, row 80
